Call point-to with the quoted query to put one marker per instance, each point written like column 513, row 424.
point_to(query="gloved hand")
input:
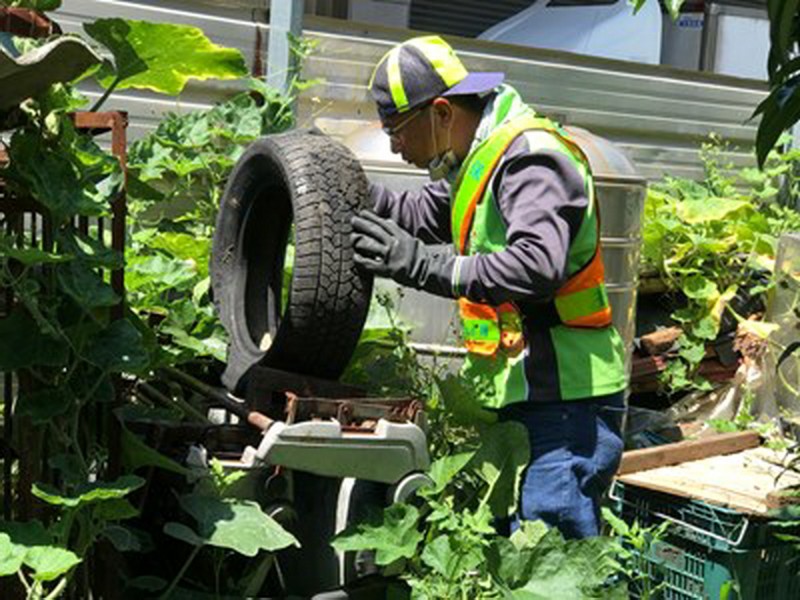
column 383, row 248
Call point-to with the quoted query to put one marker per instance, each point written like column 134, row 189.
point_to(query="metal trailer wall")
column 659, row 115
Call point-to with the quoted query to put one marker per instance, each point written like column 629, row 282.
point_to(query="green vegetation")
column 713, row 241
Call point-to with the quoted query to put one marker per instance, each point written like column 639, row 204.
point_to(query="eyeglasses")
column 393, row 131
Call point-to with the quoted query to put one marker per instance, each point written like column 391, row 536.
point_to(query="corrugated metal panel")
column 658, row 115
column 466, row 17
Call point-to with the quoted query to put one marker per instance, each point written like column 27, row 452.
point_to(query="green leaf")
column 439, row 556
column 118, row 349
column 31, row 544
column 50, row 562
column 236, row 524
column 137, row 454
column 183, row 533
column 700, row 288
column 11, row 556
column 126, row 539
column 23, row 345
column 29, row 256
column 619, row 526
column 673, row 7
column 529, row 534
column 88, row 493
column 710, row 210
column 85, row 286
column 706, row 328
column 91, row 251
column 162, row 57
column 116, row 509
column 50, row 178
column 42, row 405
column 444, row 469
column 393, row 535
column 500, row 461
column 555, row 568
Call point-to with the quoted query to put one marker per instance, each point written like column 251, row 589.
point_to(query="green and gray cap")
column 421, row 69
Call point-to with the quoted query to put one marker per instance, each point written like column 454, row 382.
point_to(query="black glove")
column 383, row 248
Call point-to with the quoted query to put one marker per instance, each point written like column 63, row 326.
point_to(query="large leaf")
column 50, row 562
column 89, row 493
column 118, row 348
column 234, row 524
column 555, row 568
column 712, row 210
column 31, row 544
column 500, row 461
column 43, row 405
column 85, row 286
column 393, row 535
column 444, row 469
column 23, row 345
column 162, row 57
column 51, row 179
column 137, row 454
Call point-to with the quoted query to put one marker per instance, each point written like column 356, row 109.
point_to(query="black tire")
column 305, row 178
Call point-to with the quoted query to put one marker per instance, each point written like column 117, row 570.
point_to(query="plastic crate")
column 710, row 552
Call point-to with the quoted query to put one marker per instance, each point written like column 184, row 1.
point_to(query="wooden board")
column 741, row 481
column 680, row 452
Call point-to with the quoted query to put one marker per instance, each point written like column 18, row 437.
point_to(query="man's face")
column 411, row 135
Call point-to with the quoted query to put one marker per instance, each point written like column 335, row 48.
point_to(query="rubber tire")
column 306, row 178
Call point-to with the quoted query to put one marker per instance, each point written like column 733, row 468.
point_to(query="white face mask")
column 444, row 165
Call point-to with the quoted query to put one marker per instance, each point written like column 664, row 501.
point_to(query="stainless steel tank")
column 620, row 193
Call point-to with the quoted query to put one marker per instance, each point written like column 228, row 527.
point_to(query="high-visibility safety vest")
column 582, row 301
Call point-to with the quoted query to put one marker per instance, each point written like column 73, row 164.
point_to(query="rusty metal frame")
column 23, row 215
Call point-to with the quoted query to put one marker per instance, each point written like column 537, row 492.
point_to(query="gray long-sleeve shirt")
column 542, row 200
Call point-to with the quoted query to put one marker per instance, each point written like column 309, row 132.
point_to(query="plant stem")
column 180, row 574
column 106, row 94
column 57, row 590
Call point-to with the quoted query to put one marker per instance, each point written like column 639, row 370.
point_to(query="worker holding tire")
column 513, row 196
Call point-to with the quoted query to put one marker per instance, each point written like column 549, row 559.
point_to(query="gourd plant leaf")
column 393, row 534
column 29, row 543
column 238, row 525
column 137, row 454
column 555, row 568
column 119, row 348
column 89, row 493
column 54, row 182
column 22, row 344
column 44, row 404
column 85, row 285
column 50, row 562
column 444, row 469
column 161, row 57
column 503, row 455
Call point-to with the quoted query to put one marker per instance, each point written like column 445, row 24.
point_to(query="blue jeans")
column 576, row 447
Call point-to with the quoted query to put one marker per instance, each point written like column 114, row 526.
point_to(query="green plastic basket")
column 711, row 552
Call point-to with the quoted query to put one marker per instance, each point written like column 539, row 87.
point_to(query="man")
column 514, row 196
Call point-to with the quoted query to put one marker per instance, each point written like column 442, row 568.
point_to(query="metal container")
column 620, row 193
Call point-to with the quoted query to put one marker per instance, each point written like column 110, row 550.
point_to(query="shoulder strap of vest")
column 476, row 173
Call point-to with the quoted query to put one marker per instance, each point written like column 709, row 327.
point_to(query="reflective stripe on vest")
column 581, row 302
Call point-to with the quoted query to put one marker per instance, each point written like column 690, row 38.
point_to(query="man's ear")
column 443, row 110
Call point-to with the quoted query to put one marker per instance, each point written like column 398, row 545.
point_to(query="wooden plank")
column 673, row 454
column 744, row 481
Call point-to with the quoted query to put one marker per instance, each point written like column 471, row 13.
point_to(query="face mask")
column 444, row 165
